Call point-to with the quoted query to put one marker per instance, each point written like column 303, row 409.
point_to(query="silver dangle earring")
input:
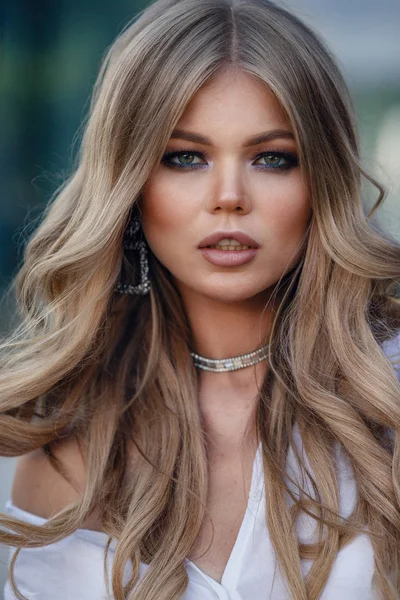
column 132, row 243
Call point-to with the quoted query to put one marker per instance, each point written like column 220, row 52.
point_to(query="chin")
column 233, row 293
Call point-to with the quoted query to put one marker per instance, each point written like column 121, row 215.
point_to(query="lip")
column 228, row 258
column 217, row 236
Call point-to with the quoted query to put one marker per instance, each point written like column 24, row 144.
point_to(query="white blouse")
column 72, row 569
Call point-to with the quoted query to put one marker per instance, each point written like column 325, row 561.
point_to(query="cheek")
column 167, row 199
column 291, row 220
column 287, row 211
column 166, row 214
column 287, row 225
column 160, row 206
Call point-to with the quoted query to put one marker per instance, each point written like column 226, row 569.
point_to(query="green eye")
column 276, row 160
column 186, row 158
column 273, row 160
column 183, row 159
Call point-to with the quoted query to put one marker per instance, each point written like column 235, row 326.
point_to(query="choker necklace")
column 219, row 365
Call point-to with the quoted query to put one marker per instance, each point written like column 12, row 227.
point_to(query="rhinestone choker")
column 219, row 365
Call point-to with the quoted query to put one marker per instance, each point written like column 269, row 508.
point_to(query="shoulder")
column 40, row 489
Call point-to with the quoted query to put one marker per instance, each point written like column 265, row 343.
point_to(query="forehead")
column 236, row 99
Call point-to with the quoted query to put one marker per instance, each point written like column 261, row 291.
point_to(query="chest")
column 230, row 480
column 240, row 556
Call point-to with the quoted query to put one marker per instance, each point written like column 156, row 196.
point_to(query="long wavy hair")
column 115, row 371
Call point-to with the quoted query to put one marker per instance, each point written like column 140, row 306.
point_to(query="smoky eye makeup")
column 277, row 159
column 271, row 159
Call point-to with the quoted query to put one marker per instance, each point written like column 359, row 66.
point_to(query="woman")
column 214, row 213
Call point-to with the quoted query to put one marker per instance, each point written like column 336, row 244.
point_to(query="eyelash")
column 289, row 157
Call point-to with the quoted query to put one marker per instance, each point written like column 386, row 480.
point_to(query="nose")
column 229, row 191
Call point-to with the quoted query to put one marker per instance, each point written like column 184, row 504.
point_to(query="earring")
column 131, row 243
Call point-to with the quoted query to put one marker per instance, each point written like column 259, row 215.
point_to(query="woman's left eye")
column 278, row 160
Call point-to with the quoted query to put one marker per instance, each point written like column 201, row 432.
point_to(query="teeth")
column 229, row 244
column 229, row 247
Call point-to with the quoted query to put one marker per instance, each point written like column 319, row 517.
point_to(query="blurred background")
column 50, row 55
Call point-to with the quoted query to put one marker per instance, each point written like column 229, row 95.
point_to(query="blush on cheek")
column 163, row 208
column 289, row 223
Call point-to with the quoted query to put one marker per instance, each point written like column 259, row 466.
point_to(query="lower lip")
column 228, row 258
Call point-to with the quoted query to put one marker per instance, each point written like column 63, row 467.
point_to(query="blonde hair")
column 114, row 370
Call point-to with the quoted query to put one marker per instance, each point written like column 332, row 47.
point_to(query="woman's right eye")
column 184, row 160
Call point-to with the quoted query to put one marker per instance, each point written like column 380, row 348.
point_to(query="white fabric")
column 72, row 569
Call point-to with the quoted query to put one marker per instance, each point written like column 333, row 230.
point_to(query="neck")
column 224, row 330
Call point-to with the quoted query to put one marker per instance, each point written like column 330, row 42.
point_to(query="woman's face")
column 214, row 177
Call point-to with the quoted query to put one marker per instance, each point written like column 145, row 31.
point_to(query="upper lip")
column 216, row 237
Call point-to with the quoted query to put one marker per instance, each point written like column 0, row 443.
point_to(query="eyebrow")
column 260, row 138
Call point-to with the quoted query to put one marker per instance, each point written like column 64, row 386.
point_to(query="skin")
column 228, row 308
